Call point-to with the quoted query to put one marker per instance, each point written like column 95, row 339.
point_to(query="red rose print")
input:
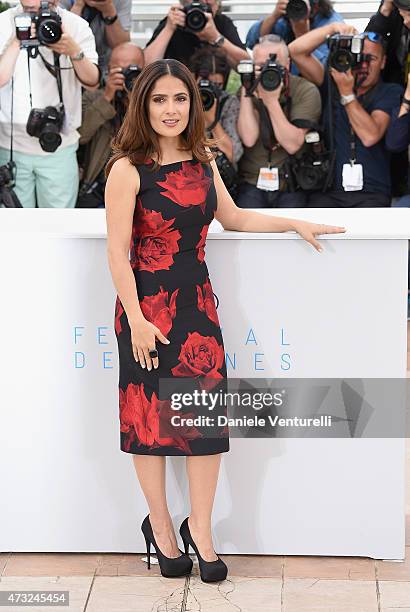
column 206, row 302
column 153, row 242
column 160, row 309
column 118, row 312
column 188, row 186
column 200, row 356
column 201, row 244
column 140, row 420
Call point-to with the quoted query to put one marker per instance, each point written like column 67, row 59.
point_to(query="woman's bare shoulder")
column 124, row 173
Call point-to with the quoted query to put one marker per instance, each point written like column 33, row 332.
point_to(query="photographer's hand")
column 66, row 46
column 175, row 18
column 209, row 33
column 405, row 107
column 344, row 81
column 106, row 7
column 386, row 8
column 87, row 72
column 115, row 82
column 156, row 49
column 114, row 32
column 269, row 21
column 78, row 7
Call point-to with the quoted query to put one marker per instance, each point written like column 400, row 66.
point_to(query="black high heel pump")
column 211, row 571
column 170, row 567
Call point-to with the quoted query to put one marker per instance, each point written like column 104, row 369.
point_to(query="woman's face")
column 168, row 106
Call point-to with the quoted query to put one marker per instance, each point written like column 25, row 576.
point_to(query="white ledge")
column 360, row 223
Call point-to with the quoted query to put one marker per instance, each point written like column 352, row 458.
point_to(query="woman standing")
column 162, row 192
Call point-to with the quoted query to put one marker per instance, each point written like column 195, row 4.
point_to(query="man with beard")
column 362, row 105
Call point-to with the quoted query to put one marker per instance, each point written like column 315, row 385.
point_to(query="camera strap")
column 11, row 121
column 364, row 102
column 56, row 74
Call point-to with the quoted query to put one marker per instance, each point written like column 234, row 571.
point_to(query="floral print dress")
column 174, row 207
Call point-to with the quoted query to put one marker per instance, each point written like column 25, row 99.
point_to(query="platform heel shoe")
column 170, row 567
column 211, row 571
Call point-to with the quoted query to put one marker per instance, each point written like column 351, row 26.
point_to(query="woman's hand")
column 308, row 231
column 143, row 336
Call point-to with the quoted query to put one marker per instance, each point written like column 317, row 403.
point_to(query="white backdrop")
column 68, row 487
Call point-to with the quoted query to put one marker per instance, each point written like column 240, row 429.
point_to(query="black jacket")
column 391, row 28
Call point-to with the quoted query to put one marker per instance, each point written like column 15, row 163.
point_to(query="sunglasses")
column 375, row 37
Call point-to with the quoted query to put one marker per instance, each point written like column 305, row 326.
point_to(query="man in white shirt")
column 51, row 179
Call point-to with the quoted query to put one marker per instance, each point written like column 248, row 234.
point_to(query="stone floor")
column 122, row 582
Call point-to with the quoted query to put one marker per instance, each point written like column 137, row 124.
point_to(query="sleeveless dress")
column 174, row 207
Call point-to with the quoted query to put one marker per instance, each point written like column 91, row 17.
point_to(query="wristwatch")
column 405, row 101
column 347, row 99
column 219, row 41
column 110, row 20
column 80, row 55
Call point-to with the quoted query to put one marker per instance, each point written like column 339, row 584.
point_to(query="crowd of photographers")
column 309, row 112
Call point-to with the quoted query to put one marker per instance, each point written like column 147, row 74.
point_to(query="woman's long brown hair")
column 137, row 140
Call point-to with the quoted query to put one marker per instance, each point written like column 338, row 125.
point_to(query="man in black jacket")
column 393, row 21
column 173, row 39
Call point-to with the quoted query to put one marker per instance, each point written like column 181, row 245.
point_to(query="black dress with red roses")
column 175, row 205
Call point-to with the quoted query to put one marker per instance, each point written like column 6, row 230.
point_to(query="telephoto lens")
column 48, row 25
column 209, row 93
column 196, row 15
column 272, row 74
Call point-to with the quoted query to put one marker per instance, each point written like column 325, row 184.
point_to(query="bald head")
column 125, row 54
column 262, row 50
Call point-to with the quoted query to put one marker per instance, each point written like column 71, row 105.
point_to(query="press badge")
column 268, row 179
column 352, row 177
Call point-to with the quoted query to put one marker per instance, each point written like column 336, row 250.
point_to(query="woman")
column 163, row 189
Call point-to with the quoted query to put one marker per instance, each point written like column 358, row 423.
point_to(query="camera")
column 312, row 171
column 271, row 76
column 228, row 173
column 346, row 51
column 196, row 15
column 48, row 27
column 130, row 74
column 296, row 10
column 209, row 93
column 45, row 124
column 7, row 196
column 7, row 175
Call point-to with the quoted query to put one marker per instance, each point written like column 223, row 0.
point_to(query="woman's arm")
column 122, row 187
column 244, row 220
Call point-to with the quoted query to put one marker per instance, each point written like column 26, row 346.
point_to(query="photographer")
column 192, row 25
column 221, row 111
column 103, row 112
column 262, row 166
column 361, row 107
column 293, row 18
column 221, row 118
column 46, row 161
column 110, row 22
column 393, row 21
